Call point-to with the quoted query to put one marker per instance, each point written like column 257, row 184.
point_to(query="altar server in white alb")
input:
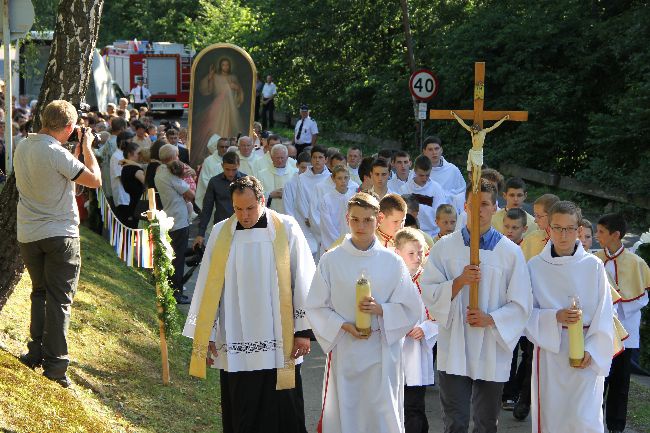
column 307, row 183
column 475, row 345
column 418, row 344
column 364, row 378
column 568, row 399
column 427, row 192
column 333, row 207
column 247, row 316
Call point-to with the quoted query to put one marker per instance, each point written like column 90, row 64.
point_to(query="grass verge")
column 115, row 361
column 638, row 411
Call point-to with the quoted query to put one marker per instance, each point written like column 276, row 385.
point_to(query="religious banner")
column 222, row 97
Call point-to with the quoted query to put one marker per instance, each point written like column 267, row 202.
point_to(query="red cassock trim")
column 319, row 428
column 539, row 402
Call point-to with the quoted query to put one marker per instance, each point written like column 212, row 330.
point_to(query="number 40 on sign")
column 423, row 85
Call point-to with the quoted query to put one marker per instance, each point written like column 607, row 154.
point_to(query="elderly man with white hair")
column 174, row 193
column 275, row 177
column 247, row 157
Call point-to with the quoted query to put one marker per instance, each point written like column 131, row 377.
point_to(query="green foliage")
column 578, row 66
column 162, row 271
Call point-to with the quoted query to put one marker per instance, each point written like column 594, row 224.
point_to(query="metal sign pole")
column 6, row 42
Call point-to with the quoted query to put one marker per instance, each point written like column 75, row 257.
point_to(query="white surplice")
column 275, row 178
column 264, row 162
column 247, row 329
column 504, row 293
column 333, row 209
column 449, row 178
column 246, row 163
column 366, row 378
column 418, row 355
column 427, row 214
column 307, row 183
column 567, row 399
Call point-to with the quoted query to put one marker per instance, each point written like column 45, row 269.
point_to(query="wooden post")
column 151, row 194
column 477, row 115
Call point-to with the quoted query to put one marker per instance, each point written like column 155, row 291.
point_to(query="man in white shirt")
column 444, row 172
column 141, row 95
column 306, row 130
column 402, row 165
column 355, row 155
column 247, row 157
column 268, row 105
column 275, row 177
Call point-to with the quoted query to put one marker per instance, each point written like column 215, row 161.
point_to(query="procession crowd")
column 288, row 231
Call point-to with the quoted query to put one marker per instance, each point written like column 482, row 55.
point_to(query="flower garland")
column 162, row 271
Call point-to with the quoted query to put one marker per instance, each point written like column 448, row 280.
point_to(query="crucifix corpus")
column 475, row 157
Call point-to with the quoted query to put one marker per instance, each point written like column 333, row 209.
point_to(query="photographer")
column 48, row 232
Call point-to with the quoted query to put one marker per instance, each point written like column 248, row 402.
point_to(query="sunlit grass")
column 115, row 361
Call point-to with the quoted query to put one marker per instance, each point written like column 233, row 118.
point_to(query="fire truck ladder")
column 186, row 73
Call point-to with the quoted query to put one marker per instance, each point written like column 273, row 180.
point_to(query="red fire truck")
column 165, row 68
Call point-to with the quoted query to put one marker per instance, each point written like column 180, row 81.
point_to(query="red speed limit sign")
column 423, row 84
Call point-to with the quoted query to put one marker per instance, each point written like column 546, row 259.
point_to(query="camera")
column 74, row 137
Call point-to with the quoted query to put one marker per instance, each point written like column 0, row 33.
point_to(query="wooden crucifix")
column 475, row 158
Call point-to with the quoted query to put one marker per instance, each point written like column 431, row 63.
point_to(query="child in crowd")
column 586, row 235
column 446, row 217
column 535, row 242
column 630, row 276
column 514, row 223
column 515, row 194
column 333, row 206
column 419, row 342
column 392, row 209
column 185, row 172
column 567, row 395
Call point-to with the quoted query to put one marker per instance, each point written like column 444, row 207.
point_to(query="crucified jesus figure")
column 475, row 156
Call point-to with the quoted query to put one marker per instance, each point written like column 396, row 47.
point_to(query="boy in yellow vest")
column 629, row 274
column 515, row 194
column 535, row 242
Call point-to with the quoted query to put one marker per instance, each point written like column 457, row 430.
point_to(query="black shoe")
column 182, row 300
column 521, row 411
column 63, row 381
column 508, row 405
column 27, row 361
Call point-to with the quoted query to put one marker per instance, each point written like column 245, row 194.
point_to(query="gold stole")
column 212, row 297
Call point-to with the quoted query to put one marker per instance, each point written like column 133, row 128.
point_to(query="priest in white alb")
column 475, row 345
column 274, row 178
column 247, row 157
column 364, row 378
column 565, row 398
column 247, row 316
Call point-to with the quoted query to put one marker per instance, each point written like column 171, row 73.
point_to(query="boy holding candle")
column 418, row 345
column 364, row 381
column 565, row 398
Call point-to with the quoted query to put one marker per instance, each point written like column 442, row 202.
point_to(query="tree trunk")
column 66, row 77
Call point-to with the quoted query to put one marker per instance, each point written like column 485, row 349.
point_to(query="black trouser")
column 138, row 105
column 267, row 115
column 179, row 238
column 617, row 387
column 53, row 265
column 301, row 146
column 460, row 393
column 257, row 107
column 415, row 418
column 518, row 384
column 251, row 404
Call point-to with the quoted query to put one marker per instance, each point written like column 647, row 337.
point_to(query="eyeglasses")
column 564, row 230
